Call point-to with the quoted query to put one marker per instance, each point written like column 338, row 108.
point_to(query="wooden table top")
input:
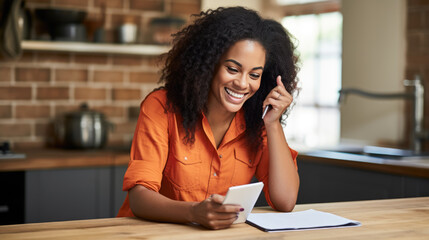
column 406, row 218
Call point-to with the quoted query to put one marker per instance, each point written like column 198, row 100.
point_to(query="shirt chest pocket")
column 183, row 169
column 244, row 167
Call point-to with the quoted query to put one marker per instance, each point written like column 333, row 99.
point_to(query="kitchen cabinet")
column 12, row 197
column 321, row 182
column 61, row 184
column 72, row 194
column 118, row 194
column 88, row 184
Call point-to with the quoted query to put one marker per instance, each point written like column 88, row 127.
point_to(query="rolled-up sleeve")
column 149, row 150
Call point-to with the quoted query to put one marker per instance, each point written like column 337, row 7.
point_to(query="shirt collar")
column 236, row 128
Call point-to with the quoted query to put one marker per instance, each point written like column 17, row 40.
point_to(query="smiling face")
column 237, row 77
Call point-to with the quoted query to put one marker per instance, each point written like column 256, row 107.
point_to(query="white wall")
column 373, row 60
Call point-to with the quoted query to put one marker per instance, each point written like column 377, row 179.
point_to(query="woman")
column 203, row 132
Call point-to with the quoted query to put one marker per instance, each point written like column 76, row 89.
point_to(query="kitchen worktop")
column 62, row 158
column 415, row 167
column 406, row 218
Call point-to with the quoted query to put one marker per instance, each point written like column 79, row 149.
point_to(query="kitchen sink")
column 6, row 153
column 12, row 156
column 381, row 152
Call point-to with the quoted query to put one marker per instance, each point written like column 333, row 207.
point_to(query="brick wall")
column 418, row 49
column 42, row 85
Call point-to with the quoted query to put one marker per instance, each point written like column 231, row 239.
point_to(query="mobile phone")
column 245, row 196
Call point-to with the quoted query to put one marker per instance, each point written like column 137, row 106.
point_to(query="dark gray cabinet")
column 118, row 194
column 72, row 194
column 12, row 197
column 331, row 183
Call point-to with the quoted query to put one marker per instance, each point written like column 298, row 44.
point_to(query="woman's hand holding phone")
column 210, row 213
column 279, row 99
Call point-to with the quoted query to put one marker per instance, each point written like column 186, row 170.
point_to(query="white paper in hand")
column 245, row 196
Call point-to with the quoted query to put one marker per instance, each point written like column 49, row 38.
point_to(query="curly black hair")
column 190, row 64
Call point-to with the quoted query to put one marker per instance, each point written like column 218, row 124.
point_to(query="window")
column 315, row 119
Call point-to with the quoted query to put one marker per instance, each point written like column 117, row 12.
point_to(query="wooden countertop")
column 406, row 218
column 414, row 167
column 61, row 158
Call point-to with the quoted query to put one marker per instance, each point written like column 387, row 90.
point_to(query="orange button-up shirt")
column 160, row 161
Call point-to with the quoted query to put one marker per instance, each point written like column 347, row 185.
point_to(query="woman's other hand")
column 279, row 99
column 210, row 213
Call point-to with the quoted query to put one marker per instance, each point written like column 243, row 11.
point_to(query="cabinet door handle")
column 4, row 208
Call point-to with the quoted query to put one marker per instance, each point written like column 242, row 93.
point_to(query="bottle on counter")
column 127, row 32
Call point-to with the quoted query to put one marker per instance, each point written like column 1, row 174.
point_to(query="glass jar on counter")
column 161, row 29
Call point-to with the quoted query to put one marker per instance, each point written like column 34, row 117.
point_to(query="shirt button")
column 214, row 174
column 250, row 161
column 186, row 158
column 220, row 156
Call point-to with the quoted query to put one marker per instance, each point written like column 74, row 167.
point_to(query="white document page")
column 309, row 219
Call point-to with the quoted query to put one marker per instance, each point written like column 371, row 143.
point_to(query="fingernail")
column 241, row 209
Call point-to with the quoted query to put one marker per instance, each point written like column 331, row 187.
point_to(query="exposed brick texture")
column 127, row 94
column 5, row 74
column 30, row 144
column 128, row 60
column 43, row 85
column 52, row 93
column 185, row 7
column 133, row 112
column 61, row 109
column 91, row 58
column 154, row 62
column 37, row 1
column 5, row 111
column 73, row 3
column 111, row 111
column 71, row 75
column 418, row 51
column 425, row 41
column 27, row 57
column 147, row 5
column 53, row 57
column 43, row 128
column 109, row 76
column 109, row 3
column 142, row 77
column 118, row 19
column 32, row 74
column 89, row 93
column 32, row 111
column 14, row 130
column 15, row 93
column 124, row 128
column 413, row 40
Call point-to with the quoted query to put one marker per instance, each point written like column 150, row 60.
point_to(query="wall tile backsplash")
column 40, row 86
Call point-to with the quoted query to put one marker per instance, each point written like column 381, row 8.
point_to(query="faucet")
column 417, row 96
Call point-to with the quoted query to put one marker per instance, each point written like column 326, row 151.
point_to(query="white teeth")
column 236, row 95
